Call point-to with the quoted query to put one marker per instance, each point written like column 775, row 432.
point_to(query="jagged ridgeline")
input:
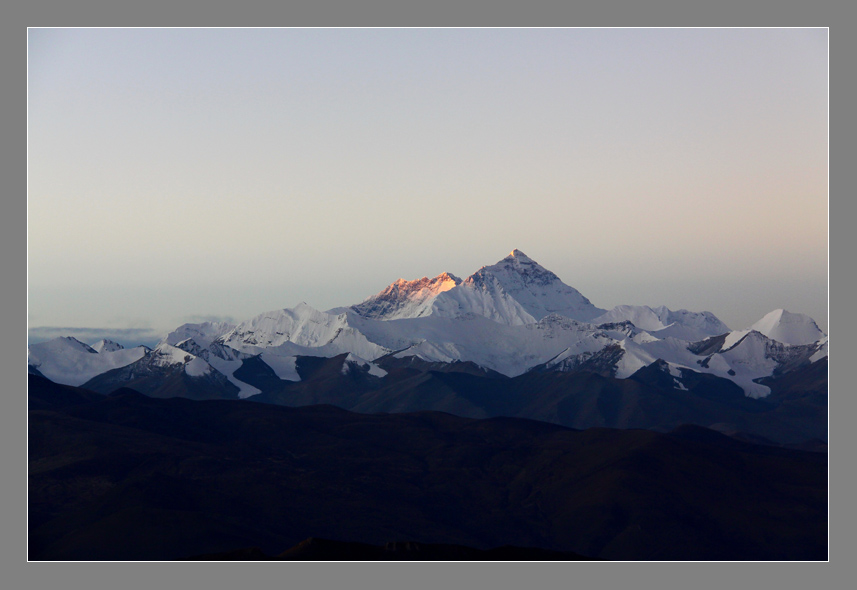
column 510, row 339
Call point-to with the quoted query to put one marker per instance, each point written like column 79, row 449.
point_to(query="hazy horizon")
column 179, row 175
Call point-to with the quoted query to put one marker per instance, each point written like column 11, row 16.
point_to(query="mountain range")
column 510, row 339
column 502, row 416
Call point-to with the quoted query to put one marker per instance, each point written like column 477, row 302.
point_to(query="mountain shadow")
column 130, row 477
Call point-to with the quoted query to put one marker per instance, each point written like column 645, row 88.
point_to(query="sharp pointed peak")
column 447, row 276
column 517, row 259
column 106, row 345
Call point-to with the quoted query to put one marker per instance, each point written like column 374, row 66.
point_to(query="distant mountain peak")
column 516, row 290
column 69, row 361
column 790, row 328
column 203, row 333
column 73, row 343
column 106, row 345
column 405, row 298
column 518, row 263
column 519, row 257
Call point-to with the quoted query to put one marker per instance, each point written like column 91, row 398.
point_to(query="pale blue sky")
column 181, row 174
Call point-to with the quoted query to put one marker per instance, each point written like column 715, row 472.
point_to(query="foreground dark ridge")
column 128, row 477
column 795, row 413
column 313, row 549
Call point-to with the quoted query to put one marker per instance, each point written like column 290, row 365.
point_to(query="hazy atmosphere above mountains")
column 200, row 175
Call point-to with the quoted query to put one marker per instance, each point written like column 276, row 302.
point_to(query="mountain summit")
column 406, row 299
column 537, row 291
column 791, row 328
column 515, row 291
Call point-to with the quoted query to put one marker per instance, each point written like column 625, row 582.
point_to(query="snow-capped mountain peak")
column 203, row 333
column 789, row 328
column 107, row 346
column 164, row 354
column 189, row 345
column 516, row 256
column 517, row 269
column 69, row 361
column 516, row 290
column 406, row 299
column 71, row 343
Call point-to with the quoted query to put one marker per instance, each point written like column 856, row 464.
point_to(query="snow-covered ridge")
column 515, row 291
column 510, row 317
column 69, row 361
column 790, row 328
column 106, row 346
column 167, row 355
column 663, row 322
column 218, row 358
column 301, row 331
column 507, row 349
column 203, row 333
column 406, row 299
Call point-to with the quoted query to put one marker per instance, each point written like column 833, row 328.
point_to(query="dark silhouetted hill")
column 130, row 477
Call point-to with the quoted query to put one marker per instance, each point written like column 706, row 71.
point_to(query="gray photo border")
column 21, row 574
